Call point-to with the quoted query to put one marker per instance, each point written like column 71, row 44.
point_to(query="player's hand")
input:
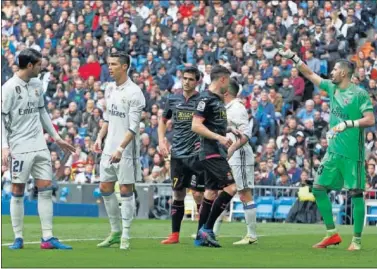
column 286, row 53
column 97, row 147
column 66, row 147
column 163, row 148
column 234, row 131
column 115, row 157
column 225, row 141
column 5, row 156
column 340, row 127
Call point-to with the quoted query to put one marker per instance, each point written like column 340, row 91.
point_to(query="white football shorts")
column 36, row 163
column 243, row 176
column 127, row 171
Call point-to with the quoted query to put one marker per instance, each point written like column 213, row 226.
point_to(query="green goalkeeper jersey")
column 348, row 104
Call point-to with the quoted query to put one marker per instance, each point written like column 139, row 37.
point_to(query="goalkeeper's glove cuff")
column 352, row 123
column 296, row 60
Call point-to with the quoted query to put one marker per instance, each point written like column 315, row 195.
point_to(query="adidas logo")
column 19, row 97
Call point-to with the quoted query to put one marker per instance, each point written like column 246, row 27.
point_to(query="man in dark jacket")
column 164, row 80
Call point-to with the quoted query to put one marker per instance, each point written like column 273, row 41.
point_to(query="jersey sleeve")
column 365, row 103
column 7, row 99
column 239, row 118
column 41, row 101
column 105, row 108
column 203, row 108
column 137, row 104
column 327, row 86
column 168, row 112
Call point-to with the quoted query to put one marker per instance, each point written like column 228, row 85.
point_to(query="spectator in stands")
column 268, row 109
column 294, row 172
column 307, row 112
column 371, row 177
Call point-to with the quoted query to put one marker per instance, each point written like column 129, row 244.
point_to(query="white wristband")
column 352, row 123
column 120, row 149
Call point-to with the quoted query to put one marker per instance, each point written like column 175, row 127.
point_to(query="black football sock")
column 219, row 206
column 177, row 213
column 204, row 211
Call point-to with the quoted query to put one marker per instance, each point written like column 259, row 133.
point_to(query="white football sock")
column 113, row 211
column 45, row 211
column 216, row 227
column 127, row 210
column 17, row 215
column 251, row 218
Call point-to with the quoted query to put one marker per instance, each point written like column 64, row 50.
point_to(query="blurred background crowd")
column 289, row 116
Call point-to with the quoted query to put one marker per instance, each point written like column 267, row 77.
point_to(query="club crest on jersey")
column 36, row 92
column 124, row 100
column 201, row 106
column 346, row 101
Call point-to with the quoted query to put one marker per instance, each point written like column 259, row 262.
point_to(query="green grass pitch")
column 280, row 245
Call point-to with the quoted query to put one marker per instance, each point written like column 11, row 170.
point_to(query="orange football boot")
column 173, row 238
column 335, row 239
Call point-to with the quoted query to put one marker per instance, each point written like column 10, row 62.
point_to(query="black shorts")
column 218, row 173
column 186, row 174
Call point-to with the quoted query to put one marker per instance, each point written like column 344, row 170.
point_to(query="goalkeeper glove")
column 288, row 54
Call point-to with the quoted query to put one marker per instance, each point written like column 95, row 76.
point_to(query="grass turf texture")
column 281, row 245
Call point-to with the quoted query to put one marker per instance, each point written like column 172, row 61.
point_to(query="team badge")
column 124, row 100
column 346, row 101
column 36, row 92
column 201, row 106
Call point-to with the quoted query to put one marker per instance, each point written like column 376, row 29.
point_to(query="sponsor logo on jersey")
column 32, row 108
column 113, row 111
column 201, row 106
column 337, row 112
column 184, row 115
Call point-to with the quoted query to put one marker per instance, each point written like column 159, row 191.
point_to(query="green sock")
column 324, row 206
column 358, row 215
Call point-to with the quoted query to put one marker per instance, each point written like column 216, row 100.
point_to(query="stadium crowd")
column 289, row 116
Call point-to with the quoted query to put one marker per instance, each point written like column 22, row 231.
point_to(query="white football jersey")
column 238, row 119
column 21, row 102
column 124, row 104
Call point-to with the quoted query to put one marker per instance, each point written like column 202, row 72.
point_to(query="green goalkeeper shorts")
column 336, row 172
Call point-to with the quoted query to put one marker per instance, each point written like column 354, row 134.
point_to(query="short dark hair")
column 347, row 65
column 234, row 87
column 192, row 70
column 27, row 56
column 219, row 71
column 124, row 58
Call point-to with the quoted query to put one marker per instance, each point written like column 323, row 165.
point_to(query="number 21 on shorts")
column 17, row 166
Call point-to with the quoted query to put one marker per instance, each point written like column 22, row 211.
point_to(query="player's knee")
column 42, row 184
column 18, row 189
column 179, row 195
column 126, row 189
column 356, row 193
column 210, row 195
column 106, row 187
column 245, row 196
column 231, row 189
column 198, row 196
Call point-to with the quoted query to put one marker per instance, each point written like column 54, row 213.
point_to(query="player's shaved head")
column 347, row 66
column 234, row 87
column 219, row 71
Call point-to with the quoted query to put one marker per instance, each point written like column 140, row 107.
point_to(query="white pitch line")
column 99, row 239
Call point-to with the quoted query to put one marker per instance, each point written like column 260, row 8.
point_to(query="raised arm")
column 301, row 66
